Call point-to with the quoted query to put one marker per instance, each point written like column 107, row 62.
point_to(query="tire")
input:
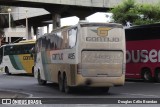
column 40, row 81
column 67, row 89
column 60, row 83
column 157, row 75
column 147, row 76
column 7, row 71
column 32, row 71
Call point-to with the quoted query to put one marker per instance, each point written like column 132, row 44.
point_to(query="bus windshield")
column 18, row 49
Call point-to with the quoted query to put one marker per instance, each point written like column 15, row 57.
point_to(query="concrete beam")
column 84, row 3
column 56, row 20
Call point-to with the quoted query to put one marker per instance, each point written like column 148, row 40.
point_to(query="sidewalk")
column 10, row 94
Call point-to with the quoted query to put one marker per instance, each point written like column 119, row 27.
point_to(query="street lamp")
column 26, row 24
column 9, row 13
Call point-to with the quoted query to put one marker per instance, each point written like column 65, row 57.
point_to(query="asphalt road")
column 28, row 85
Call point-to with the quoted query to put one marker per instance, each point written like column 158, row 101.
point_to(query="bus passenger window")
column 72, row 37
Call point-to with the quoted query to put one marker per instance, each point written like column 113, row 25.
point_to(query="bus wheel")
column 67, row 89
column 60, row 82
column 157, row 75
column 7, row 71
column 40, row 81
column 147, row 75
column 32, row 71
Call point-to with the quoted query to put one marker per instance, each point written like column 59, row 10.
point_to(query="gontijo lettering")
column 102, row 39
column 102, row 32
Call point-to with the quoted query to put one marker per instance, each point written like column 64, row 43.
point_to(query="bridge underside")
column 62, row 10
column 65, row 11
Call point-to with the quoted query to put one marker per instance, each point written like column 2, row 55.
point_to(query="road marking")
column 20, row 92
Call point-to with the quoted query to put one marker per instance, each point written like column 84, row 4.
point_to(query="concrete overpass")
column 84, row 3
column 65, row 8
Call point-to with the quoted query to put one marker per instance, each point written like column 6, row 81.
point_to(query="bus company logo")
column 143, row 56
column 103, row 31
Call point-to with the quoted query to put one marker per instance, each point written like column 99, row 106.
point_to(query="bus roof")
column 21, row 43
column 64, row 27
column 85, row 23
column 143, row 32
column 27, row 41
column 145, row 26
column 100, row 23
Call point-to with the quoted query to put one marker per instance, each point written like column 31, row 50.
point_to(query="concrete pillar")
column 10, row 40
column 29, row 33
column 35, row 28
column 56, row 20
column 7, row 39
column 48, row 28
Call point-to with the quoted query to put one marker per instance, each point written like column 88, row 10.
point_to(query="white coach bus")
column 87, row 54
column 16, row 58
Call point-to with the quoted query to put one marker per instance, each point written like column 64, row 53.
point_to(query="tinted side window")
column 7, row 50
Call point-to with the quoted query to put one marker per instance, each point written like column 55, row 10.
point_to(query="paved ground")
column 20, row 86
column 10, row 94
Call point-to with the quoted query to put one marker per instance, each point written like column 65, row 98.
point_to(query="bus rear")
column 101, row 51
column 88, row 54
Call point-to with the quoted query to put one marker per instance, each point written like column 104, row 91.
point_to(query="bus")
column 86, row 54
column 143, row 52
column 16, row 58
